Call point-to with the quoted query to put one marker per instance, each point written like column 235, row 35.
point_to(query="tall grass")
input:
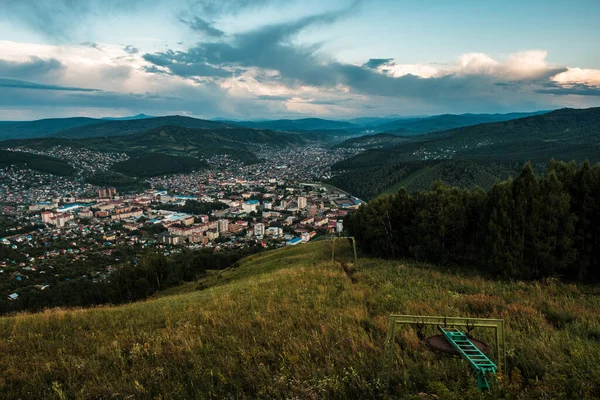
column 289, row 323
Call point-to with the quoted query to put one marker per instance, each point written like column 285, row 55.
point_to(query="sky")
column 336, row 59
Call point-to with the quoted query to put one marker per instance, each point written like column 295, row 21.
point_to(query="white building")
column 250, row 206
column 259, row 229
column 301, row 202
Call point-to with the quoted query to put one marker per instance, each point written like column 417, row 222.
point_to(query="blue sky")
column 284, row 58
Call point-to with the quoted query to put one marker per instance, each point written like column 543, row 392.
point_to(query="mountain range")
column 81, row 127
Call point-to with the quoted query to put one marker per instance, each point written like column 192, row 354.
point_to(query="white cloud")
column 523, row 65
column 589, row 77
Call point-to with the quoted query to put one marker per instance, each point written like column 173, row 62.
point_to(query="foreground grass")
column 289, row 323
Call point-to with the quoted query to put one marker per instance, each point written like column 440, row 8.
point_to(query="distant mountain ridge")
column 132, row 126
column 42, row 127
column 304, row 124
column 418, row 126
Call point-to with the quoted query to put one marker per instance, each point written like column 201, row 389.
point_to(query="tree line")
column 529, row 227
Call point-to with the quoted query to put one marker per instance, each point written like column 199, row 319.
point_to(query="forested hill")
column 567, row 134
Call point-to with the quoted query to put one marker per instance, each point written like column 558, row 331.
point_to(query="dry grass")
column 289, row 324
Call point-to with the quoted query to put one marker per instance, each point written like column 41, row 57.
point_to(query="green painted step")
column 478, row 361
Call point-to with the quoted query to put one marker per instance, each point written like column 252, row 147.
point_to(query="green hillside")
column 290, row 324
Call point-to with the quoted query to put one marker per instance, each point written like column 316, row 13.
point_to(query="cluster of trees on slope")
column 526, row 228
column 368, row 183
column 36, row 162
column 135, row 281
column 195, row 207
column 121, row 182
column 145, row 165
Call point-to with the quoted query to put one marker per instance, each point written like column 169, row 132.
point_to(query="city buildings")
column 106, row 192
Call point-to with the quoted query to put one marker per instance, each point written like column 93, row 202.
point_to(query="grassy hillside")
column 288, row 323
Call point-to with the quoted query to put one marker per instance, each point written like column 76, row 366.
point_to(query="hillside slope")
column 288, row 323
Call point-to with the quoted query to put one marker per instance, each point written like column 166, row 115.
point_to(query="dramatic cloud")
column 268, row 48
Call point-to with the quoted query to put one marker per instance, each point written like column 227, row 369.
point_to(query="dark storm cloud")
column 19, row 84
column 377, row 62
column 34, row 68
column 204, row 27
column 129, row 49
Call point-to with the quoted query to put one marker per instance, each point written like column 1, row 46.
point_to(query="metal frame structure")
column 351, row 238
column 420, row 320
